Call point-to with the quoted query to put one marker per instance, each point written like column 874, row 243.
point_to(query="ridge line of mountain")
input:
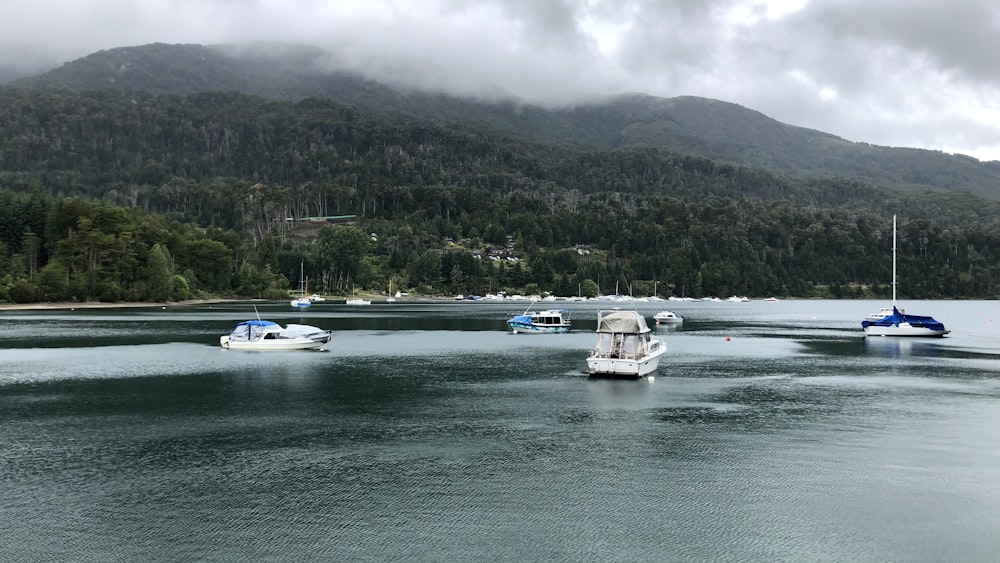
column 704, row 127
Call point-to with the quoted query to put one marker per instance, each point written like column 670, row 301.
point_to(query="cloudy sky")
column 888, row 72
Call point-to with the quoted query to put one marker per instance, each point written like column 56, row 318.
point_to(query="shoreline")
column 102, row 305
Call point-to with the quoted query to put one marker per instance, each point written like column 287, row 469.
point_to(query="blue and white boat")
column 898, row 323
column 263, row 335
column 890, row 321
column 540, row 322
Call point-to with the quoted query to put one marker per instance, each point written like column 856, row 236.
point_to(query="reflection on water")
column 897, row 347
column 429, row 432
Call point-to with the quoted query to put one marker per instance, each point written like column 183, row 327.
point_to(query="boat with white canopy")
column 624, row 346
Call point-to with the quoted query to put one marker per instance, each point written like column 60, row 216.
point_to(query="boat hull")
column 599, row 366
column 276, row 345
column 904, row 329
column 521, row 328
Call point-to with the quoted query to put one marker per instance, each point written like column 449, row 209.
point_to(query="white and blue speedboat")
column 540, row 322
column 262, row 335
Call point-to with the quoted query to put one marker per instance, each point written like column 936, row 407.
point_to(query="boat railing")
column 614, row 354
column 618, row 351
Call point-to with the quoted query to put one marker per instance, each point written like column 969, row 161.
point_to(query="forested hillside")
column 113, row 195
column 695, row 126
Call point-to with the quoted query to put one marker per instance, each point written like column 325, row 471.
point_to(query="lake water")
column 771, row 432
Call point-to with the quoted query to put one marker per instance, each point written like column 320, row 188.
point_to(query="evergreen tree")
column 159, row 274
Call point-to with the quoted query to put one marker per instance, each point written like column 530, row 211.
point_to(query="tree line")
column 111, row 196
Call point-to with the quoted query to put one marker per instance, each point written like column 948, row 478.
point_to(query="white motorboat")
column 667, row 317
column 358, row 301
column 624, row 347
column 540, row 322
column 317, row 298
column 267, row 335
column 891, row 321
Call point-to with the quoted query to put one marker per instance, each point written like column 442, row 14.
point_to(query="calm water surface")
column 771, row 432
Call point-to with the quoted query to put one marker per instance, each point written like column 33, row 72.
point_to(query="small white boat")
column 624, row 346
column 890, row 321
column 268, row 335
column 667, row 317
column 317, row 298
column 358, row 301
column 540, row 322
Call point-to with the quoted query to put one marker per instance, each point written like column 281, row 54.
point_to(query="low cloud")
column 888, row 72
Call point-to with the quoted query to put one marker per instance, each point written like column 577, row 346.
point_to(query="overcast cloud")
column 888, row 72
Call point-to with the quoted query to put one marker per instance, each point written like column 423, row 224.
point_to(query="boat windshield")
column 250, row 331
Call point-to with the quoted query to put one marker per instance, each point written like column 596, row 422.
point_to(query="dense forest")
column 691, row 125
column 127, row 196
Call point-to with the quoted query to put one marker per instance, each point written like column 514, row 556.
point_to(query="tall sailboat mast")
column 894, row 261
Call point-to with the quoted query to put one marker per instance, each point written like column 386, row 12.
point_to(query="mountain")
column 270, row 71
column 690, row 125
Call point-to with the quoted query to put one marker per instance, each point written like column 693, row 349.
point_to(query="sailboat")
column 302, row 301
column 391, row 297
column 890, row 321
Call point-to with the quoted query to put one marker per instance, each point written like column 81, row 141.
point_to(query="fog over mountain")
column 887, row 72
